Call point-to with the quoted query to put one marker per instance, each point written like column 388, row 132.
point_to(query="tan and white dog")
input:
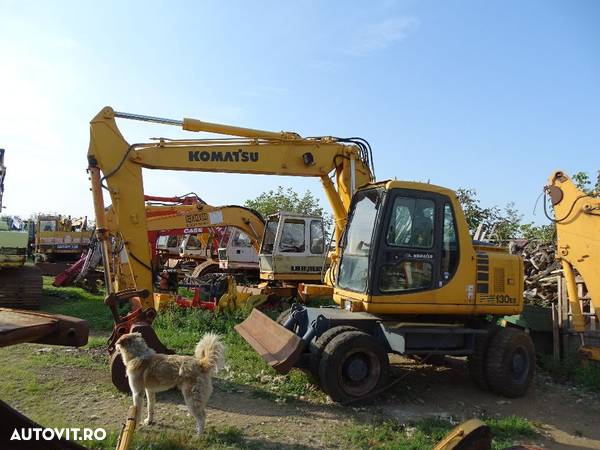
column 153, row 372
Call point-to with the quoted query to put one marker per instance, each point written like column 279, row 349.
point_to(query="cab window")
column 240, row 239
column 449, row 245
column 317, row 237
column 411, row 223
column 193, row 242
column 292, row 236
column 356, row 242
column 406, row 276
column 269, row 237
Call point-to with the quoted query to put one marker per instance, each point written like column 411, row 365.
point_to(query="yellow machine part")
column 163, row 300
column 488, row 280
column 577, row 219
column 126, row 434
column 470, row 435
column 236, row 298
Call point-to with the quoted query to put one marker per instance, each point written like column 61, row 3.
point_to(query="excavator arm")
column 112, row 160
column 577, row 219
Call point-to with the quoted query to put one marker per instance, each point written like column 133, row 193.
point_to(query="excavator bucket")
column 277, row 345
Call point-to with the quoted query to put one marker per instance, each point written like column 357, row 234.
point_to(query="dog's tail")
column 210, row 353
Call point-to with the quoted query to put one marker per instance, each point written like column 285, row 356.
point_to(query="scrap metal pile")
column 541, row 270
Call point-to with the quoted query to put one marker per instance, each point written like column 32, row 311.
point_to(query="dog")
column 153, row 372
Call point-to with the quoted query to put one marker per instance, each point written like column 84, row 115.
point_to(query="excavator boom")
column 577, row 219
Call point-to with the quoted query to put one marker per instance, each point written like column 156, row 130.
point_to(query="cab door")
column 417, row 248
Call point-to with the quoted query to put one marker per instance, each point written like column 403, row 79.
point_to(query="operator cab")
column 293, row 247
column 399, row 240
column 236, row 251
column 407, row 249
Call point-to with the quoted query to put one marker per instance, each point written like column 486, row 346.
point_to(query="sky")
column 491, row 96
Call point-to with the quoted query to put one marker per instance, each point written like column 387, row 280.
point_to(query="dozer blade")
column 277, row 345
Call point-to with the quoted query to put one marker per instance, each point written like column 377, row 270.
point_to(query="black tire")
column 510, row 362
column 319, row 344
column 353, row 365
column 477, row 361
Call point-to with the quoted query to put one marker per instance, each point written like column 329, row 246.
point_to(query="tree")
column 475, row 214
column 509, row 223
column 289, row 200
column 545, row 233
column 506, row 223
column 584, row 183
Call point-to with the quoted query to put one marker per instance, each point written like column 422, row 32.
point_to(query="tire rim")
column 359, row 372
column 519, row 365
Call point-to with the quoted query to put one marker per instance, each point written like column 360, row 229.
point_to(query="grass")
column 426, row 433
column 76, row 302
column 570, row 369
column 227, row 437
column 180, row 329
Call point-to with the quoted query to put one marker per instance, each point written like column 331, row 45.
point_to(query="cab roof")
column 293, row 215
column 414, row 185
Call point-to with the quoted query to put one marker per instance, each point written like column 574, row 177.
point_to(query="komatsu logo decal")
column 237, row 156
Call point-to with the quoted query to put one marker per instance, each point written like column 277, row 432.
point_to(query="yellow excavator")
column 577, row 220
column 405, row 273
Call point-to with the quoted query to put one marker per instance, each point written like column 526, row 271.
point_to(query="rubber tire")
column 477, row 361
column 319, row 344
column 499, row 359
column 333, row 357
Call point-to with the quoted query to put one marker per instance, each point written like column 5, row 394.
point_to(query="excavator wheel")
column 21, row 288
column 353, row 366
column 478, row 359
column 319, row 344
column 510, row 362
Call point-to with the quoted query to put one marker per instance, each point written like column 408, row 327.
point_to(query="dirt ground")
column 566, row 417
